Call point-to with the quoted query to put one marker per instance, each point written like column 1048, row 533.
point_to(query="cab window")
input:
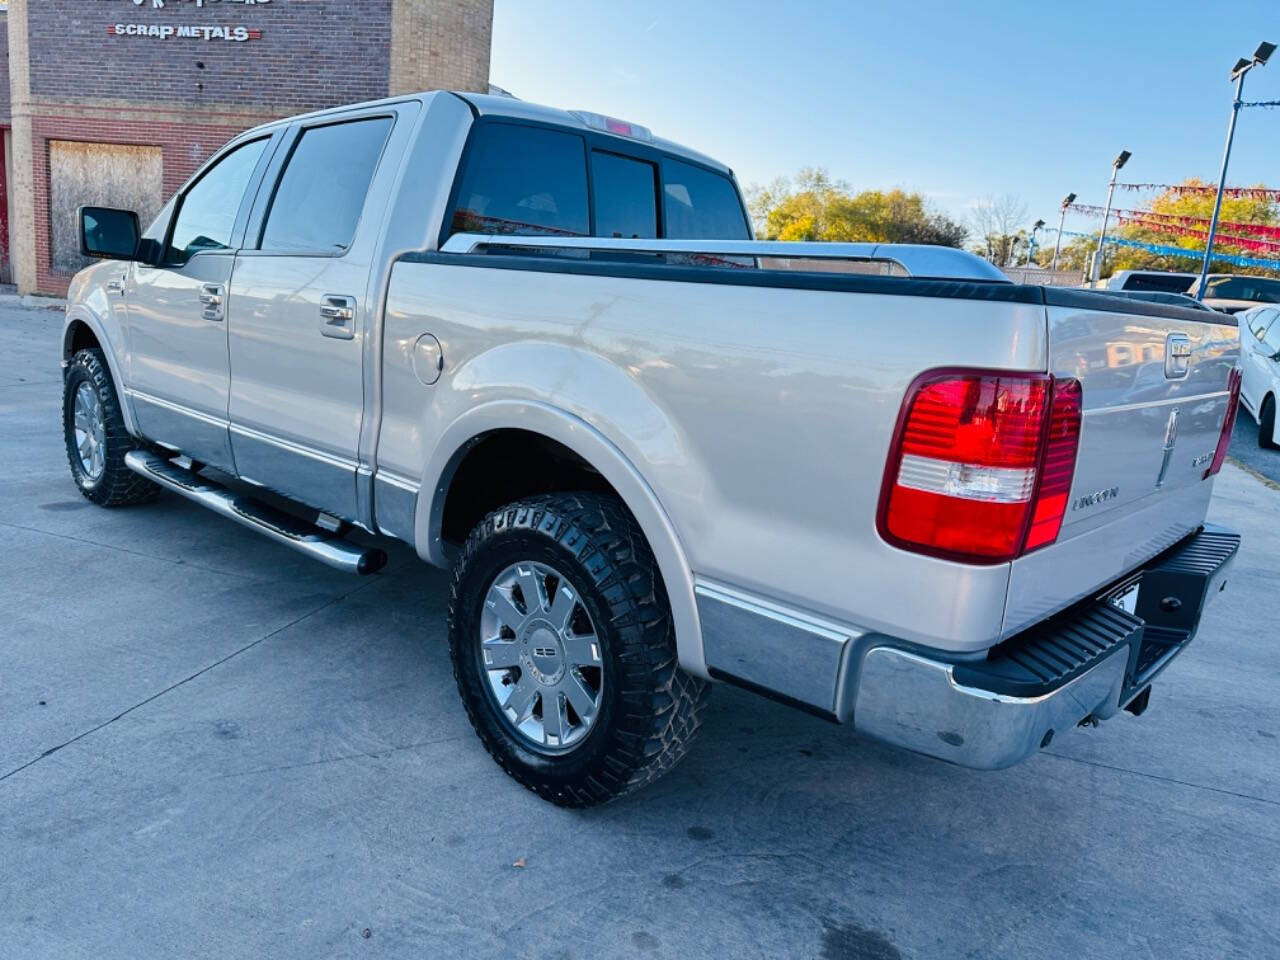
column 700, row 205
column 207, row 216
column 523, row 180
column 321, row 195
column 625, row 192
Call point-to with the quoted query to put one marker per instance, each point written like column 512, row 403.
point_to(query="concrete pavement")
column 1246, row 452
column 212, row 747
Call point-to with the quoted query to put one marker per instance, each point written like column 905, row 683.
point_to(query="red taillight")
column 1058, row 468
column 981, row 465
column 1228, row 422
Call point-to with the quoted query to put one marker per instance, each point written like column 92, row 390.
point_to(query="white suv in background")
column 1260, row 358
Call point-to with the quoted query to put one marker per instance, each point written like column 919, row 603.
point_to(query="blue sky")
column 958, row 100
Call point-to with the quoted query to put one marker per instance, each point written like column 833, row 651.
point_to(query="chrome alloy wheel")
column 91, row 440
column 539, row 650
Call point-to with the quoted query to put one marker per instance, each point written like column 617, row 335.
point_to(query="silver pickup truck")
column 878, row 483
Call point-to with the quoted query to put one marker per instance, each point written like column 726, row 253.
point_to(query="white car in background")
column 1260, row 358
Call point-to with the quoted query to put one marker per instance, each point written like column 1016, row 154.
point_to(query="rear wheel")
column 95, row 434
column 1267, row 425
column 564, row 652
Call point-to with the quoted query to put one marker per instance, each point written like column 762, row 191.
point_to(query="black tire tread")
column 660, row 706
column 119, row 486
column 1267, row 425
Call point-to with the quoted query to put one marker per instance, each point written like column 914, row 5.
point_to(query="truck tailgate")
column 1155, row 391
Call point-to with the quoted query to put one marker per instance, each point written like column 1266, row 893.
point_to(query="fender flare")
column 79, row 314
column 597, row 450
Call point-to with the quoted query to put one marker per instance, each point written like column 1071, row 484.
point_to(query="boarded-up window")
column 101, row 174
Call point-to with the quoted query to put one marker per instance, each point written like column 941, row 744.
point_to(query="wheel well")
column 79, row 337
column 506, row 465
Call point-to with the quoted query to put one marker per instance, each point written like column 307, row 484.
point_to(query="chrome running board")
column 316, row 542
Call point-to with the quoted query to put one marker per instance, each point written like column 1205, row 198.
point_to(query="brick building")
column 117, row 102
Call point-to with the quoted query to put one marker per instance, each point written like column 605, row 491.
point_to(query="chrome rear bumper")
column 1086, row 663
column 913, row 702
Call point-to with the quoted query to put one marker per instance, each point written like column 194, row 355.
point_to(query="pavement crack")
column 31, row 383
column 187, row 679
column 384, row 752
column 133, row 553
column 1156, row 776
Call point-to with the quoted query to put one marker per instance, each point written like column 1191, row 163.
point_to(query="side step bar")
column 316, row 542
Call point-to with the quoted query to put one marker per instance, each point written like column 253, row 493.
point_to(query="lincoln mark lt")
column 879, row 483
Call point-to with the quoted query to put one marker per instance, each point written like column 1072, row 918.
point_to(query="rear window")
column 523, row 180
column 700, row 205
column 1258, row 289
column 1163, row 282
column 626, row 196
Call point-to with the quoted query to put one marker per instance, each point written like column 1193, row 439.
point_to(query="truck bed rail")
column 915, row 260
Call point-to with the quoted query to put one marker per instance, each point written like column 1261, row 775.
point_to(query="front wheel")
column 95, row 435
column 1267, row 425
column 564, row 652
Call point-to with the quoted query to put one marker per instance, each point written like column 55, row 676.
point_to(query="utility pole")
column 1067, row 201
column 1242, row 67
column 1119, row 162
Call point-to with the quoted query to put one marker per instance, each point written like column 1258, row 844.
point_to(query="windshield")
column 1258, row 289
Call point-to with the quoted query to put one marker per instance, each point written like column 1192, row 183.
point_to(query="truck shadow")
column 780, row 821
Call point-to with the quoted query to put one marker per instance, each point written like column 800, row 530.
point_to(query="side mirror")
column 108, row 234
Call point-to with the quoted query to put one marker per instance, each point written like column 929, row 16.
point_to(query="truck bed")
column 759, row 407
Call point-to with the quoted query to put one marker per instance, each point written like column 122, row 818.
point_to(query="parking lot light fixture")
column 1031, row 247
column 1116, row 165
column 1238, row 72
column 1067, row 201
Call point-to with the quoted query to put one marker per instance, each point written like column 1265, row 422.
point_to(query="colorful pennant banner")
column 1245, row 243
column 1179, row 189
column 1163, row 251
column 1235, row 226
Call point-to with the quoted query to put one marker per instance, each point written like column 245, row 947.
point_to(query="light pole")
column 1067, row 201
column 1119, row 162
column 1031, row 247
column 1243, row 66
column 1012, row 259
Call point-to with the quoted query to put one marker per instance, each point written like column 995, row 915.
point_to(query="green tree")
column 813, row 206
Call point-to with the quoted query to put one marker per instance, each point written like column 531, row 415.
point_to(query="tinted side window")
column 700, row 205
column 1271, row 336
column 208, row 212
column 626, row 196
column 523, row 180
column 322, row 192
column 1259, row 323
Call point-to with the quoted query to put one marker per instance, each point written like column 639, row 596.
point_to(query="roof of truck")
column 500, row 106
column 497, row 106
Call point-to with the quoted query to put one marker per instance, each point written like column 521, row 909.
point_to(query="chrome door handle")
column 211, row 295
column 338, row 317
